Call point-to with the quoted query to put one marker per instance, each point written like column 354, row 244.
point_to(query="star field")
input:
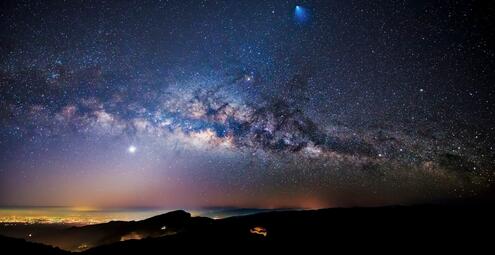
column 245, row 103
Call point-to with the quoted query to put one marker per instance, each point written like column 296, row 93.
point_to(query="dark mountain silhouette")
column 82, row 238
column 9, row 245
column 344, row 228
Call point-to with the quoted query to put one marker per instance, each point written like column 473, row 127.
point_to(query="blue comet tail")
column 301, row 14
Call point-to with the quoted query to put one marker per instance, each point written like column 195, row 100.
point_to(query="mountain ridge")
column 339, row 227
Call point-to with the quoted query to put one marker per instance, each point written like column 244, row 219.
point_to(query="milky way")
column 203, row 103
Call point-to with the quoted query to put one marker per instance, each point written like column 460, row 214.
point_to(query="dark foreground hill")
column 83, row 238
column 446, row 227
column 9, row 245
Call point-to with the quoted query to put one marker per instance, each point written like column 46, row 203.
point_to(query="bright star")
column 248, row 78
column 132, row 149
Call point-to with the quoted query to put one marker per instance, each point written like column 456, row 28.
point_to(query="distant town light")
column 259, row 231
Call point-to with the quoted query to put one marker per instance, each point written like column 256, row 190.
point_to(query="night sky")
column 189, row 104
